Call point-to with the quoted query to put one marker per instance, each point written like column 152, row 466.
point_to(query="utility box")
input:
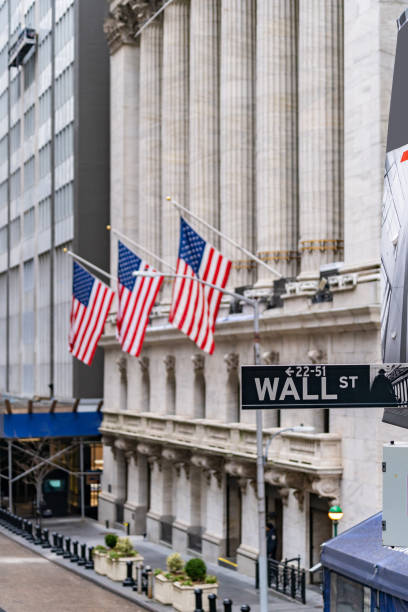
column 395, row 495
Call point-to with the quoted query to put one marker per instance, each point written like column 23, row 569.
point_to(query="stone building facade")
column 267, row 119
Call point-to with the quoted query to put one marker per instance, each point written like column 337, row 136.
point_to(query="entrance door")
column 274, row 514
column 233, row 517
column 320, row 531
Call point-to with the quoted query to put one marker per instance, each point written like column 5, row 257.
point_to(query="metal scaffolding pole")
column 10, row 475
column 81, row 467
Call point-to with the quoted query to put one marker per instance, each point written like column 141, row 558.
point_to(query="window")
column 15, row 90
column 29, row 174
column 3, row 104
column 3, row 239
column 45, row 6
column 64, row 199
column 45, row 106
column 3, row 194
column 15, row 137
column 29, row 220
column 45, row 160
column 64, row 86
column 29, row 122
column 29, row 17
column 15, row 185
column 4, row 59
column 28, row 278
column 14, row 232
column 44, row 53
column 64, row 144
column 64, row 30
column 44, row 213
column 29, row 72
column 3, row 149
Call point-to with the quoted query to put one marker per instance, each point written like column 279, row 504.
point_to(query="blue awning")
column 359, row 555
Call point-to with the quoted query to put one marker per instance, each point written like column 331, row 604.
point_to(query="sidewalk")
column 239, row 588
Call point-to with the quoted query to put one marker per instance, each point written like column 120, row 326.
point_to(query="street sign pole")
column 263, row 581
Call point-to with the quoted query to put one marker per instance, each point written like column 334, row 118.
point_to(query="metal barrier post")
column 212, row 602
column 128, row 581
column 67, row 554
column 46, row 540
column 198, row 593
column 139, row 578
column 292, row 583
column 257, row 574
column 54, row 547
column 74, row 556
column 149, row 582
column 60, row 549
column 30, row 531
column 82, row 560
column 303, row 587
column 38, row 539
column 227, row 605
column 245, row 608
column 90, row 564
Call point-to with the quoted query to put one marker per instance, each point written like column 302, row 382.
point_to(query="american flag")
column 91, row 301
column 137, row 295
column 194, row 306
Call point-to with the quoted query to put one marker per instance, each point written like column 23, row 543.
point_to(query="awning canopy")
column 359, row 555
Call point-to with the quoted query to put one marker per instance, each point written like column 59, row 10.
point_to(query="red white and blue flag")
column 194, row 306
column 91, row 301
column 137, row 295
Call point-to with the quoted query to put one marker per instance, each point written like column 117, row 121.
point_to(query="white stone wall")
column 219, row 137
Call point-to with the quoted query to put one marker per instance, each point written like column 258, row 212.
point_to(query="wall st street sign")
column 324, row 386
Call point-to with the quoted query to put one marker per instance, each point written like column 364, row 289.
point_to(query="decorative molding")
column 121, row 362
column 270, row 357
column 327, row 487
column 279, row 255
column 240, row 469
column 170, row 364
column 232, row 361
column 198, row 363
column 323, row 245
column 299, row 494
column 144, row 363
column 125, row 19
column 317, row 356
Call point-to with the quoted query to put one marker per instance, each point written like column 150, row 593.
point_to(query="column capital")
column 124, row 20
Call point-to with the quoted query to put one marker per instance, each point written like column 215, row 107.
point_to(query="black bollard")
column 29, row 531
column 74, row 557
column 198, row 594
column 67, row 554
column 90, row 564
column 60, row 550
column 82, row 560
column 227, row 605
column 212, row 602
column 138, row 583
column 38, row 538
column 245, row 608
column 128, row 581
column 46, row 539
column 54, row 546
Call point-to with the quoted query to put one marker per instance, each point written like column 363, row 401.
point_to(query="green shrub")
column 168, row 575
column 175, row 563
column 186, row 583
column 123, row 545
column 113, row 555
column 210, row 579
column 157, row 571
column 110, row 540
column 196, row 570
column 100, row 549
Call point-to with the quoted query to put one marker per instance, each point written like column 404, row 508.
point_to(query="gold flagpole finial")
column 168, row 198
column 108, row 227
column 65, row 250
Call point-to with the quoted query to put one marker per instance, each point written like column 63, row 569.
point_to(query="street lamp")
column 263, row 584
column 296, row 428
column 335, row 515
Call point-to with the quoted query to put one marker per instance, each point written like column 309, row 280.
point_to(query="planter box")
column 184, row 598
column 163, row 589
column 100, row 560
column 117, row 570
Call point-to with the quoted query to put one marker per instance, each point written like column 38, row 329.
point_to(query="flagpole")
column 139, row 246
column 222, row 235
column 260, row 478
column 89, row 264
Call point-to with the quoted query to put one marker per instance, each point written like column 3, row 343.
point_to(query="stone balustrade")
column 310, row 453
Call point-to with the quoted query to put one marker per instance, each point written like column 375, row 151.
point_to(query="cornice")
column 125, row 18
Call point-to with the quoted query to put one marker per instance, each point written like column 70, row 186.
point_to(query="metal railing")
column 166, row 532
column 286, row 578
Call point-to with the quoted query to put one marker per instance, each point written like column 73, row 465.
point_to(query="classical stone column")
column 204, row 113
column 175, row 95
column 320, row 134
column 120, row 28
column 213, row 541
column 247, row 552
column 137, row 494
column 276, row 134
column 237, row 133
column 150, row 196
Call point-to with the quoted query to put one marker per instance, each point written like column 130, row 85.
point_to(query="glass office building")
column 54, row 186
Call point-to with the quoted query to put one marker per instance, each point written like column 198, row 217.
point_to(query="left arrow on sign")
column 289, row 371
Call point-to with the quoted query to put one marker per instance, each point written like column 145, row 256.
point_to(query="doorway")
column 320, row 531
column 274, row 514
column 233, row 508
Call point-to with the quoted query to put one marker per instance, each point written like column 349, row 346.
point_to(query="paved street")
column 31, row 583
